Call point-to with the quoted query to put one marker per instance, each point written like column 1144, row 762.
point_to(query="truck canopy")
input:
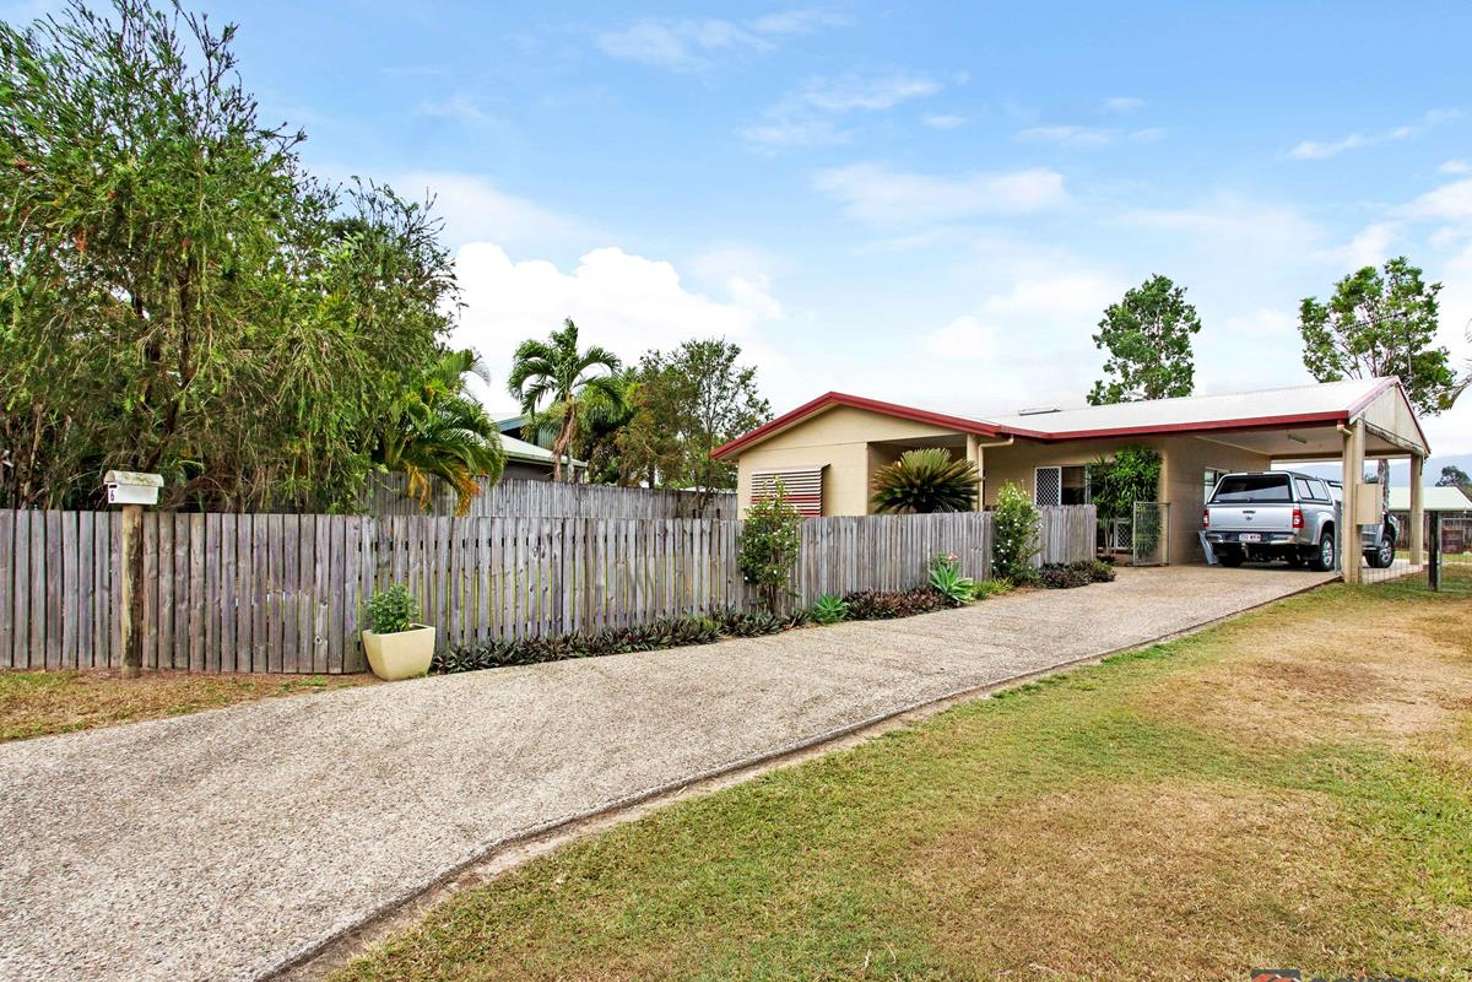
column 1253, row 489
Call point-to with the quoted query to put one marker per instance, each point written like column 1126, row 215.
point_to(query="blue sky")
column 930, row 204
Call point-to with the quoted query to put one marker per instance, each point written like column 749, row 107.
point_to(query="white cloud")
column 1371, row 245
column 689, row 44
column 1455, row 167
column 873, row 193
column 1069, row 136
column 1450, row 202
column 805, row 118
column 966, row 338
column 846, row 93
column 457, row 107
column 1322, row 150
column 622, row 301
column 474, row 208
column 1123, row 104
column 943, row 121
column 1087, row 136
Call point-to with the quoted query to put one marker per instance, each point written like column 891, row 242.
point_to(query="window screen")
column 801, row 486
column 1048, row 486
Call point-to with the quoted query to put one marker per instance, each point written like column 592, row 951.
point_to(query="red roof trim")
column 830, row 399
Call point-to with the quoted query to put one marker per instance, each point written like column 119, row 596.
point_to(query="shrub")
column 992, row 588
column 393, row 610
column 769, row 542
column 1056, row 576
column 924, row 481
column 1014, row 534
column 737, row 623
column 947, row 580
column 829, row 609
column 877, row 605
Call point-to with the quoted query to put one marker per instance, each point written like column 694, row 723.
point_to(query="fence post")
column 1433, row 558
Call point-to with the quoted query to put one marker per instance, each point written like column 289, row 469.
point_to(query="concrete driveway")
column 224, row 844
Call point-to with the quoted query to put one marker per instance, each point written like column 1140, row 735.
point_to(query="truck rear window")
column 1246, row 489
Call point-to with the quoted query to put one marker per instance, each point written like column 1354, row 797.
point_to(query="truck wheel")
column 1323, row 560
column 1382, row 557
column 1231, row 557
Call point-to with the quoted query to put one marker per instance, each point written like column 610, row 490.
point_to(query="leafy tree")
column 1115, row 483
column 1148, row 337
column 178, row 296
column 1453, row 476
column 436, row 430
column 1014, row 535
column 1380, row 323
column 687, row 403
column 768, row 547
column 925, row 481
column 560, row 377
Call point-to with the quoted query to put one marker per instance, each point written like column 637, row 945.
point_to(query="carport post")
column 973, row 454
column 1418, row 512
column 1354, row 475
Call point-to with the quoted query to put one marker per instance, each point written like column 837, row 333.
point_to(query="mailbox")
column 132, row 488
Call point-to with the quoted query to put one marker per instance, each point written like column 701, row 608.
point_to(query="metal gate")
column 1150, row 533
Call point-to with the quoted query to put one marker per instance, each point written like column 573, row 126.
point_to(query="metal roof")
column 1432, row 499
column 1317, row 404
column 1320, row 402
column 530, row 452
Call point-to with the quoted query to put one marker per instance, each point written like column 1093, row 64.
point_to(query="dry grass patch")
column 1239, row 797
column 1165, row 881
column 39, row 703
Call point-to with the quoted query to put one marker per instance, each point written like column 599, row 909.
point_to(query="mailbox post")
column 132, row 490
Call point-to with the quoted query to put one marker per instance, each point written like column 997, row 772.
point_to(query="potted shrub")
column 397, row 646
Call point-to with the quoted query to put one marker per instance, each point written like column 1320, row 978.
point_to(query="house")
column 528, row 460
column 825, row 452
column 1449, row 502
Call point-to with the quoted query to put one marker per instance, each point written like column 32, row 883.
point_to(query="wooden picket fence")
column 285, row 593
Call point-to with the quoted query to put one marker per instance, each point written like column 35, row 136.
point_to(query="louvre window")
column 802, row 486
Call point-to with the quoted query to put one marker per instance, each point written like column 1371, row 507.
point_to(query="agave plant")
column 924, row 481
column 830, row 609
column 947, row 580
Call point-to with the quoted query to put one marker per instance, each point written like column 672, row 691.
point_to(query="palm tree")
column 556, row 372
column 438, row 431
column 924, row 481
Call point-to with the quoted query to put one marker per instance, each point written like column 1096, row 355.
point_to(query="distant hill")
column 1399, row 469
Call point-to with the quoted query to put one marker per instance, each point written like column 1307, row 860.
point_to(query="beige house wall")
column 845, row 441
column 838, row 439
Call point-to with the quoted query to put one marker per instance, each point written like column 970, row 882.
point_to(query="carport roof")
column 1319, row 404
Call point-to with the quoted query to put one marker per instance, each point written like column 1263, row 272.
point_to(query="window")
column 1310, row 490
column 1209, row 479
column 802, row 486
column 1061, row 486
column 1253, row 489
column 1047, row 486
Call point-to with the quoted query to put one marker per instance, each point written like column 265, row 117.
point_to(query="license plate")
column 1250, row 537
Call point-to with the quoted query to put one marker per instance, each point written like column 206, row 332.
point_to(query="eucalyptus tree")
column 1148, row 337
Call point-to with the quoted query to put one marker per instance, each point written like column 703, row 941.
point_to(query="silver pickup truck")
column 1265, row 515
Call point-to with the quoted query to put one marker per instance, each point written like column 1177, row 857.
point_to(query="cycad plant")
column 925, row 481
column 436, row 430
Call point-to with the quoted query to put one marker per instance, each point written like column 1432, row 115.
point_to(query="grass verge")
column 1293, row 787
column 35, row 704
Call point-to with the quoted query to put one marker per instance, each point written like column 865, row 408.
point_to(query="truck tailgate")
column 1251, row 518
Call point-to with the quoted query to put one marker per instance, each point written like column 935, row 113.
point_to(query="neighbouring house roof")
column 1432, row 499
column 1300, row 405
column 530, row 453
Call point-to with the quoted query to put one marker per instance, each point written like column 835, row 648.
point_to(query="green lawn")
column 1292, row 788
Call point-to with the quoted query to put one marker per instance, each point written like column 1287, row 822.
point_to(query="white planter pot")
column 401, row 655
